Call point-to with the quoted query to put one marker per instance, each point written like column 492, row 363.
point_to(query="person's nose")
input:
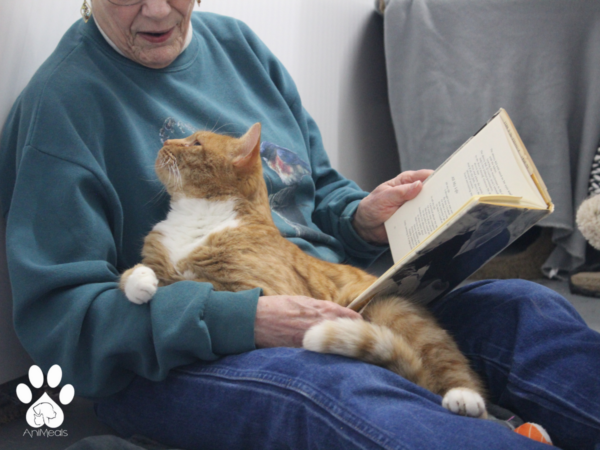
column 156, row 9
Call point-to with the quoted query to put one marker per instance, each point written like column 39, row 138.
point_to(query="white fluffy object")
column 588, row 220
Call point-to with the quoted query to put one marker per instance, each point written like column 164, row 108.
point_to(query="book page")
column 485, row 165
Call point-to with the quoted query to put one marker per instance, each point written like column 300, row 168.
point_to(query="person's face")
column 151, row 33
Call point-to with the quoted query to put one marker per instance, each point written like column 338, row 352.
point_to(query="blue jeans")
column 534, row 351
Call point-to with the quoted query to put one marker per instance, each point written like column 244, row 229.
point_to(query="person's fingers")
column 281, row 321
column 331, row 310
column 380, row 205
column 398, row 195
column 410, row 176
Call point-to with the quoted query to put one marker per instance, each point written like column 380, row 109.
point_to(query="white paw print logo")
column 45, row 411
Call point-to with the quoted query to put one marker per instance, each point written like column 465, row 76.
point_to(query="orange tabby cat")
column 220, row 231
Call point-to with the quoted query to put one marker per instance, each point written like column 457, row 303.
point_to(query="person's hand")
column 282, row 320
column 385, row 199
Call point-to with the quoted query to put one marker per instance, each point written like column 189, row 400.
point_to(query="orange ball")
column 535, row 432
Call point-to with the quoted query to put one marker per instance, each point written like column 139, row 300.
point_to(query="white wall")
column 30, row 31
column 332, row 48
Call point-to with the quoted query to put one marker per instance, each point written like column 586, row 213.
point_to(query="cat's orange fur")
column 254, row 254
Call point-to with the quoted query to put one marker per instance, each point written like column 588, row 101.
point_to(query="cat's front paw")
column 466, row 402
column 141, row 285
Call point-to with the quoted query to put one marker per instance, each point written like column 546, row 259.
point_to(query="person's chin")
column 158, row 57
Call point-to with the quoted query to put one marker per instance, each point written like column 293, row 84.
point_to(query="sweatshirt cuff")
column 356, row 247
column 230, row 321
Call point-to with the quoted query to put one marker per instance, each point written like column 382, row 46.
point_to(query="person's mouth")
column 156, row 37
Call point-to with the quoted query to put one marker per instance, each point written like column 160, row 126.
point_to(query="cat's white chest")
column 191, row 221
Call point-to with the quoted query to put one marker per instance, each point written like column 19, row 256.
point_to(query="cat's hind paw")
column 141, row 285
column 466, row 402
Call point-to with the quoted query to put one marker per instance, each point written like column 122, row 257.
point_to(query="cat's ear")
column 249, row 150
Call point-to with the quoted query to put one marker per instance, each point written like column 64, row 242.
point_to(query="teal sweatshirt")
column 79, row 193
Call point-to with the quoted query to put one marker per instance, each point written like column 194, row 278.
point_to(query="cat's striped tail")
column 366, row 341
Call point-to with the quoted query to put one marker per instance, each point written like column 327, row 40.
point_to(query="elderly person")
column 79, row 194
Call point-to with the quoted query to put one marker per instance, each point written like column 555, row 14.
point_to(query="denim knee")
column 510, row 302
column 534, row 302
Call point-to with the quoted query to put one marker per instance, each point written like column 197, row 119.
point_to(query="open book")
column 482, row 198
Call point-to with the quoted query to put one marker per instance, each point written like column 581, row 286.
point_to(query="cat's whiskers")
column 154, row 179
column 174, row 174
column 167, row 160
column 224, row 125
column 162, row 192
column 162, row 163
column 178, row 177
column 216, row 123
